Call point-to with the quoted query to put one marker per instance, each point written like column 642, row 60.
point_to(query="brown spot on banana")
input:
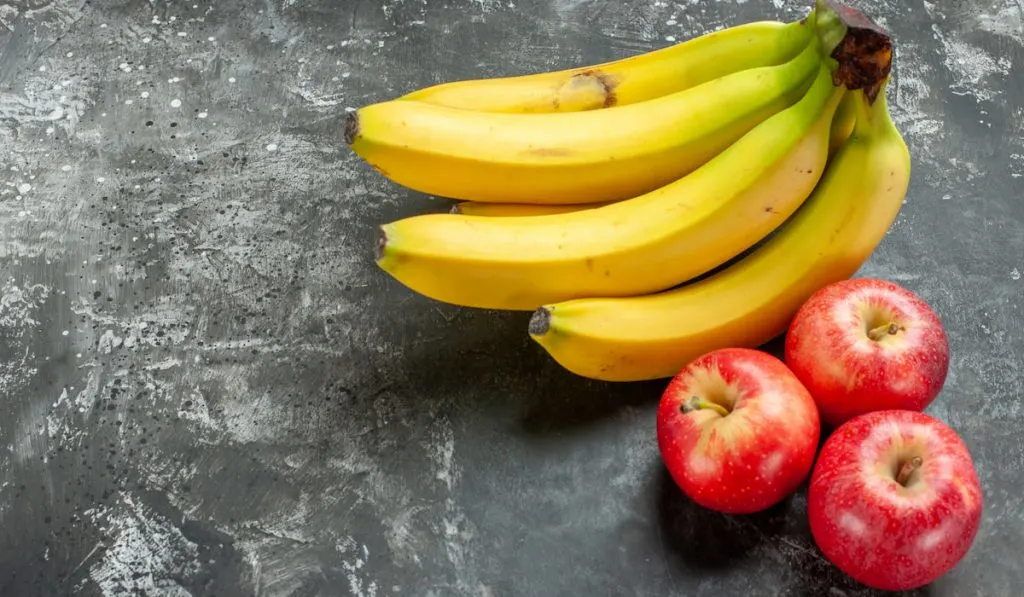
column 587, row 90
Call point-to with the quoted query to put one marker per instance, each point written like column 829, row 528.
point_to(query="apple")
column 864, row 344
column 737, row 430
column 894, row 500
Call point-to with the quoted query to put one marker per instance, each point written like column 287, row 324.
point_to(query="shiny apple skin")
column 757, row 454
column 879, row 532
column 848, row 374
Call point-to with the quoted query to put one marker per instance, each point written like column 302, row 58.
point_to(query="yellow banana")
column 751, row 301
column 629, row 80
column 505, row 210
column 842, row 127
column 637, row 246
column 572, row 157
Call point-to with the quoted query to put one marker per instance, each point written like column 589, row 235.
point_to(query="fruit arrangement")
column 667, row 214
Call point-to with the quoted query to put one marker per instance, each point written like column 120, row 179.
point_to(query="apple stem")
column 888, row 329
column 908, row 469
column 698, row 403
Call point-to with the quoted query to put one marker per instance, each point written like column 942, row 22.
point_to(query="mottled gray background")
column 207, row 388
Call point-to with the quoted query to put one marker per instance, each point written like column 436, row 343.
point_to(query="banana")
column 637, row 246
column 752, row 300
column 572, row 157
column 505, row 210
column 629, row 80
column 842, row 124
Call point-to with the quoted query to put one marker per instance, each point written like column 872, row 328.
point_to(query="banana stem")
column 859, row 50
column 873, row 116
column 830, row 28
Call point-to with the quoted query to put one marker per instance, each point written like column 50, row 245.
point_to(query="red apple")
column 737, row 430
column 894, row 500
column 864, row 344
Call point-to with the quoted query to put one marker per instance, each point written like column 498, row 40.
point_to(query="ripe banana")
column 505, row 210
column 629, row 80
column 751, row 301
column 572, row 157
column 631, row 247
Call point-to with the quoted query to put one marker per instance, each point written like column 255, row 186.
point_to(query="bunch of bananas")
column 651, row 209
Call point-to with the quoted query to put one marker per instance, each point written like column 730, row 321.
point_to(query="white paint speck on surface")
column 100, row 179
column 975, row 72
column 1015, row 274
column 175, row 103
column 65, row 168
column 272, row 147
column 144, row 94
column 24, row 188
column 1007, row 21
column 231, row 79
column 146, row 40
column 148, row 554
column 202, row 115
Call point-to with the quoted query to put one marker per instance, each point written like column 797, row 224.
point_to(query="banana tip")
column 381, row 245
column 351, row 127
column 540, row 322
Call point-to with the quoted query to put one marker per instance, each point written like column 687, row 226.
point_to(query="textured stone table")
column 208, row 389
